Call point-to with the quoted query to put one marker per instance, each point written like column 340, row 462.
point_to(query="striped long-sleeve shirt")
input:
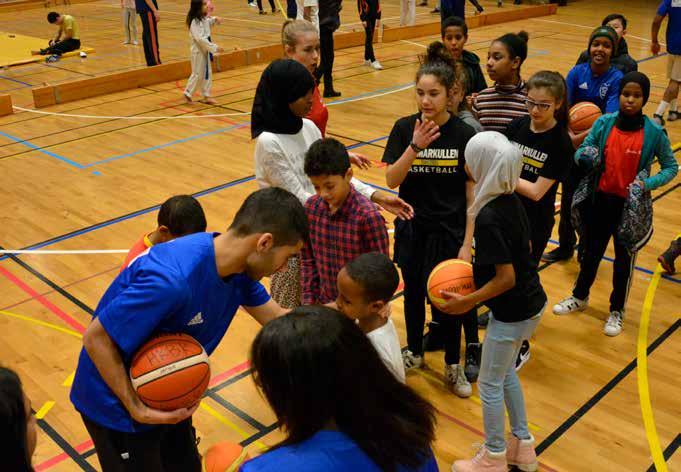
column 495, row 107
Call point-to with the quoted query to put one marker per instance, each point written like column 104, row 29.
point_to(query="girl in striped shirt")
column 495, row 107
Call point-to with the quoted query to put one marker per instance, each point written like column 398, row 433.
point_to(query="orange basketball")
column 170, row 371
column 582, row 116
column 224, row 457
column 453, row 275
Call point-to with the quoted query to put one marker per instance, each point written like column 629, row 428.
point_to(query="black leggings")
column 61, row 47
column 600, row 224
column 368, row 41
column 271, row 5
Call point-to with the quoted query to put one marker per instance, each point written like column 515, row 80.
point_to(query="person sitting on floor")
column 67, row 38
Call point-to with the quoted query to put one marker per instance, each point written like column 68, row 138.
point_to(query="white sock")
column 661, row 108
column 673, row 106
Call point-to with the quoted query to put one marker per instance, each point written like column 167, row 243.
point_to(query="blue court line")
column 171, row 143
column 640, row 269
column 650, row 58
column 135, row 214
column 364, row 143
column 41, row 150
column 17, row 81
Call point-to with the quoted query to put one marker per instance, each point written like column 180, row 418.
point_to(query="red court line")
column 45, row 302
column 63, row 286
column 229, row 373
column 80, row 448
column 481, row 434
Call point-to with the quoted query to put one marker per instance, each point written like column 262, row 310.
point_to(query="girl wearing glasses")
column 543, row 139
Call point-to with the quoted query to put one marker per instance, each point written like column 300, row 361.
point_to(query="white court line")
column 591, row 28
column 413, row 43
column 186, row 117
column 76, row 251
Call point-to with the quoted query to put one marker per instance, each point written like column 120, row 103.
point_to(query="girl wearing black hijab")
column 283, row 136
column 618, row 154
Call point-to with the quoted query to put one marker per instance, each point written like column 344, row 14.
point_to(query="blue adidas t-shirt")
column 174, row 289
column 602, row 90
column 673, row 9
column 330, row 451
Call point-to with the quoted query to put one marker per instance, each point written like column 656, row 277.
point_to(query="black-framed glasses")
column 531, row 104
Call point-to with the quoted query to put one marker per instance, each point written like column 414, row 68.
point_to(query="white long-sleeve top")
column 280, row 162
column 199, row 32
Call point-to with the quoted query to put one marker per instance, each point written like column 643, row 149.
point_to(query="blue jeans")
column 498, row 381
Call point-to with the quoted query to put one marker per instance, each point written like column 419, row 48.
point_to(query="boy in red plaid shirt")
column 343, row 223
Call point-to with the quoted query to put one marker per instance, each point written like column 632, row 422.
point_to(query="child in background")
column 497, row 106
column 621, row 59
column 18, row 428
column 458, row 103
column 67, row 38
column 370, row 16
column 199, row 24
column 508, row 283
column 620, row 146
column 454, row 32
column 365, row 287
column 178, row 216
column 129, row 21
column 343, row 223
column 670, row 8
column 425, row 160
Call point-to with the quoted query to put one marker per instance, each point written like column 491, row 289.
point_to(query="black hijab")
column 284, row 81
column 633, row 123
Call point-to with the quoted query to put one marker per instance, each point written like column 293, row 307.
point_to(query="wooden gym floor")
column 89, row 176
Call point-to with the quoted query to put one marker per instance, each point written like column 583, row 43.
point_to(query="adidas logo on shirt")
column 198, row 319
column 584, row 86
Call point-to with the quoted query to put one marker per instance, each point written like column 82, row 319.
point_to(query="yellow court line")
column 281, row 10
column 69, row 380
column 47, row 406
column 642, row 374
column 229, row 424
column 42, row 323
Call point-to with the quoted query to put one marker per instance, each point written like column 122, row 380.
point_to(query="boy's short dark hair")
column 327, row 157
column 615, row 16
column 182, row 215
column 52, row 17
column 272, row 210
column 376, row 274
column 452, row 21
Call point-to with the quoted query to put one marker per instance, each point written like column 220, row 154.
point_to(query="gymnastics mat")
column 15, row 49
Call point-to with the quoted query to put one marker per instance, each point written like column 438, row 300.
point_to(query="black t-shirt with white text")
column 548, row 154
column 436, row 183
column 502, row 236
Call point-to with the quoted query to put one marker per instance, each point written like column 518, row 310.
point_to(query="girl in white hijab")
column 505, row 275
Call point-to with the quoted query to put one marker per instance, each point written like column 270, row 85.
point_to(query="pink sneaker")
column 520, row 453
column 484, row 461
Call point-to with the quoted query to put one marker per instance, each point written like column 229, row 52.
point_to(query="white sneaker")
column 135, row 42
column 411, row 361
column 570, row 305
column 613, row 326
column 126, row 42
column 377, row 65
column 455, row 379
column 367, row 63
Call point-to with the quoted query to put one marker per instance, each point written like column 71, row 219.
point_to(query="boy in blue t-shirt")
column 192, row 285
column 671, row 8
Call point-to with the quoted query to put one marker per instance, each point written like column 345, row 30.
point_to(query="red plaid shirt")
column 336, row 239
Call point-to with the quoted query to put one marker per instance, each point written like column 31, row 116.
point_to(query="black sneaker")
column 673, row 116
column 331, row 94
column 523, row 355
column 473, row 355
column 668, row 257
column 483, row 319
column 659, row 119
column 558, row 254
column 432, row 340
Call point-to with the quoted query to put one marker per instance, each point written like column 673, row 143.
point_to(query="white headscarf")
column 495, row 164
